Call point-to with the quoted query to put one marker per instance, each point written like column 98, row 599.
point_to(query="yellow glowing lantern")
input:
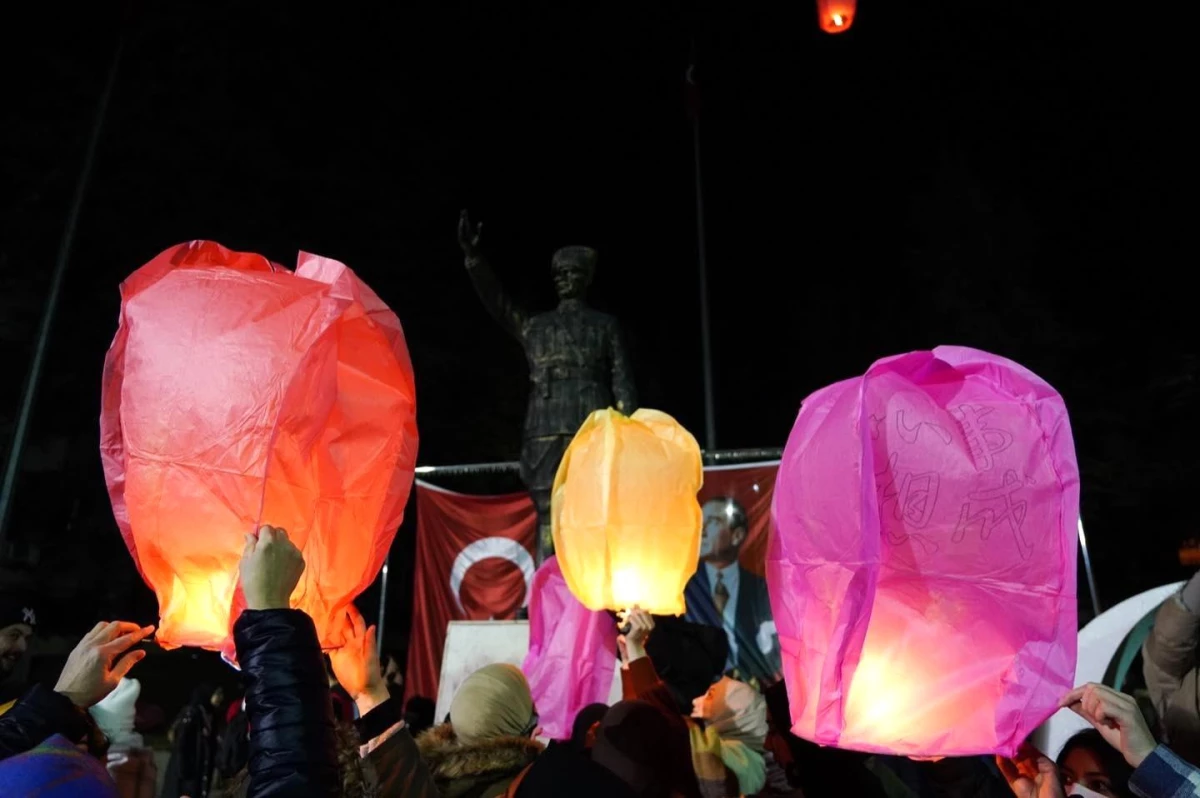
column 626, row 521
column 836, row 16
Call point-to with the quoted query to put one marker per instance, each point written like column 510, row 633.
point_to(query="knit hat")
column 16, row 609
column 493, row 702
column 641, row 745
column 56, row 769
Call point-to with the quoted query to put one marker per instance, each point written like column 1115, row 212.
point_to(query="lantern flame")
column 836, row 16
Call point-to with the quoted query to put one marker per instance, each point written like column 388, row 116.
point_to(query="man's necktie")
column 720, row 595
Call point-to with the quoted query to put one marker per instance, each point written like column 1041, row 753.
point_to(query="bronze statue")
column 577, row 363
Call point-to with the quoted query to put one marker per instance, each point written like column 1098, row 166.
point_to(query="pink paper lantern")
column 922, row 574
column 572, row 652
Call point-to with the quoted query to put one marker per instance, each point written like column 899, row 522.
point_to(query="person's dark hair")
column 1115, row 766
column 588, row 717
column 689, row 657
column 418, row 714
column 737, row 513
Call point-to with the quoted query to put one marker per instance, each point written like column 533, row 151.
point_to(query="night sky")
column 1006, row 175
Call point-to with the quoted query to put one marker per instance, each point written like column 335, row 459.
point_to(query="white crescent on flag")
column 505, row 549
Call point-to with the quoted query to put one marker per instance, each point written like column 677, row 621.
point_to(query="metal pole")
column 710, row 417
column 60, row 267
column 382, row 603
column 1087, row 568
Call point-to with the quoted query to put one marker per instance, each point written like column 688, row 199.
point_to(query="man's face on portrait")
column 720, row 540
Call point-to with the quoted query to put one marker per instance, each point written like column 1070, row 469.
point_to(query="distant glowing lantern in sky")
column 237, row 393
column 922, row 569
column 836, row 16
column 626, row 521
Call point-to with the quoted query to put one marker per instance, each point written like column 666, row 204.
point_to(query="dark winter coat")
column 293, row 747
column 41, row 713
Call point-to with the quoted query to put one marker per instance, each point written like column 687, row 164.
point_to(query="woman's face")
column 1082, row 768
column 702, row 706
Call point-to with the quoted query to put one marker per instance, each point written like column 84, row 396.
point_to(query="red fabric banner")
column 475, row 562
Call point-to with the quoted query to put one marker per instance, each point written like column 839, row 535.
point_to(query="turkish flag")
column 752, row 486
column 474, row 563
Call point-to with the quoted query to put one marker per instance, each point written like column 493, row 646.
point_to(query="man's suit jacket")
column 753, row 625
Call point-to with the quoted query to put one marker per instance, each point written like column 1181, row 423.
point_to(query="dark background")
column 1006, row 175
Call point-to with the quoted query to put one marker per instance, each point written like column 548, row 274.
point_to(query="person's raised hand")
column 96, row 665
column 1031, row 774
column 633, row 643
column 271, row 567
column 1116, row 716
column 356, row 664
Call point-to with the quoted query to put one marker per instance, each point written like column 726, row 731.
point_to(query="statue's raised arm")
column 498, row 303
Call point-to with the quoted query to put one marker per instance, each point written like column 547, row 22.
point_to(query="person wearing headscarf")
column 488, row 740
column 640, row 681
column 733, row 728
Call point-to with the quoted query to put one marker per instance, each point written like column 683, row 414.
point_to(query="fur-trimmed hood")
column 469, row 769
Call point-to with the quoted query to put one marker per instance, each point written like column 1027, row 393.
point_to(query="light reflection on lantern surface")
column 197, row 611
column 899, row 699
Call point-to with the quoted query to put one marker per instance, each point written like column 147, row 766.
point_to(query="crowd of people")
column 682, row 730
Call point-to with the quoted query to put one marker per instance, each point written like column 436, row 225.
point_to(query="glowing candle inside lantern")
column 835, row 16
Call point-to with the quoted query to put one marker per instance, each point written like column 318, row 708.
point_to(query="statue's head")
column 573, row 268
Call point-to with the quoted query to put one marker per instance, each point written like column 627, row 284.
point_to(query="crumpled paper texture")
column 238, row 393
column 922, row 573
column 624, row 514
column 572, row 652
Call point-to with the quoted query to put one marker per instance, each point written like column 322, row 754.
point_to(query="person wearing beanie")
column 18, row 621
column 488, row 740
column 93, row 670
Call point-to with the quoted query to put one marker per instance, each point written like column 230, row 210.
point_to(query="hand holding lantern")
column 271, row 566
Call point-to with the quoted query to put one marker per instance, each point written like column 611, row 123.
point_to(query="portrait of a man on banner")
column 728, row 589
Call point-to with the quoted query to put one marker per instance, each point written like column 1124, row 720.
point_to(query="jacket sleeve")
column 402, row 773
column 1164, row 775
column 38, row 715
column 640, row 682
column 292, row 744
column 1169, row 664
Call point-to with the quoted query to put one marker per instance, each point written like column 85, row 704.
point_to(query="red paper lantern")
column 238, row 393
column 836, row 16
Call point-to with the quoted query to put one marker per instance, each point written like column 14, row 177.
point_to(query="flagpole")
column 21, row 430
column 710, row 417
